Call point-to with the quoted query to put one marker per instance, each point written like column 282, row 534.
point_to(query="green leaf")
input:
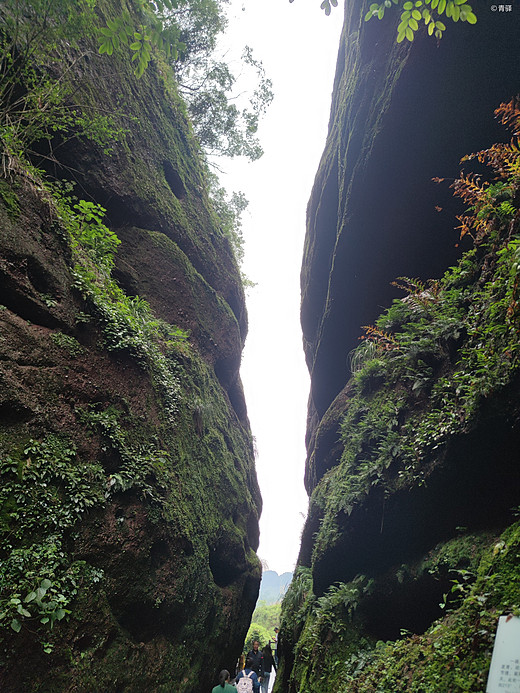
column 416, row 15
column 325, row 5
column 442, row 6
column 30, row 597
column 45, row 584
column 431, row 27
column 471, row 18
column 400, row 36
column 408, row 6
column 16, row 625
column 106, row 32
column 409, row 34
column 413, row 24
column 135, row 46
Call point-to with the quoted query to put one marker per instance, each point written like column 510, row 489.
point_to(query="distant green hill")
column 273, row 586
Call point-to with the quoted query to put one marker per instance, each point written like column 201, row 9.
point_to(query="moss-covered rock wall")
column 401, row 114
column 129, row 499
column 410, row 549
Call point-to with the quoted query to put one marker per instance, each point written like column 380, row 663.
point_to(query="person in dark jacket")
column 268, row 666
column 257, row 659
column 276, row 632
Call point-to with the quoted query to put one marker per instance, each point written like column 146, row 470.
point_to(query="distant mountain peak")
column 273, row 586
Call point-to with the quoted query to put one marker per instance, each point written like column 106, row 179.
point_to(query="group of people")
column 252, row 675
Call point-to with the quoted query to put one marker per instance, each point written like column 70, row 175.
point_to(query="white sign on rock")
column 504, row 673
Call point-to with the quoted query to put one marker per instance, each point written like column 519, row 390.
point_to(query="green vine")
column 44, row 491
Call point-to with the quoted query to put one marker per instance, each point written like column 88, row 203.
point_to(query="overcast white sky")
column 298, row 46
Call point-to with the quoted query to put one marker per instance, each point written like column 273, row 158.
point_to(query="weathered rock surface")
column 401, row 115
column 165, row 552
column 400, row 499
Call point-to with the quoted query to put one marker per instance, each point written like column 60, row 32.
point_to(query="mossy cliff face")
column 129, row 498
column 412, row 466
column 401, row 115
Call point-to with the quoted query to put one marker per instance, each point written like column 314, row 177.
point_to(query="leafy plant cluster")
column 455, row 653
column 127, row 322
column 153, row 31
column 141, row 466
column 45, row 489
column 186, row 32
column 321, row 631
column 428, row 363
column 67, row 342
column 427, row 12
column 417, row 12
column 222, row 125
column 331, row 650
column 37, row 106
column 128, row 325
column 39, row 111
column 229, row 209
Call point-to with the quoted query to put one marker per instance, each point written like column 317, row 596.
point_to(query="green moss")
column 447, row 353
column 455, row 653
column 10, row 199
column 437, row 368
column 67, row 342
column 168, row 463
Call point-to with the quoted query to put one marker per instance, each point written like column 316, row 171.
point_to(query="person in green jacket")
column 224, row 686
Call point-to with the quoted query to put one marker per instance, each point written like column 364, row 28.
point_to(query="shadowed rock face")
column 401, row 115
column 174, row 547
